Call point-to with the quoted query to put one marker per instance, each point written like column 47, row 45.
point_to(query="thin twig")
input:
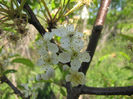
column 45, row 5
column 4, row 79
column 33, row 20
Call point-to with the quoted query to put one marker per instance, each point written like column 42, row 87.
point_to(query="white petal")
column 77, row 44
column 64, row 57
column 61, row 32
column 85, row 57
column 68, row 78
column 42, row 51
column 65, row 42
column 75, row 64
column 48, row 36
column 44, row 68
column 52, row 47
column 74, row 84
column 39, row 42
column 40, row 62
column 77, row 78
column 50, row 73
column 38, row 77
column 78, row 35
column 70, row 28
column 26, row 94
column 54, row 59
column 65, row 67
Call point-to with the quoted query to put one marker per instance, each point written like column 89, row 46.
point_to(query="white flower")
column 44, row 76
column 54, row 59
column 39, row 42
column 70, row 28
column 48, row 46
column 40, row 62
column 50, row 73
column 25, row 86
column 65, row 42
column 51, row 59
column 77, row 58
column 77, row 44
column 65, row 34
column 48, row 36
column 76, row 78
column 75, row 64
column 64, row 57
column 84, row 57
column 52, row 47
column 27, row 93
column 69, row 38
column 78, row 35
column 38, row 77
column 66, row 67
column 68, row 49
column 42, row 51
column 61, row 32
column 81, row 56
column 85, row 13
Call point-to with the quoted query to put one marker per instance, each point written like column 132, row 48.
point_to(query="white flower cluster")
column 31, row 91
column 66, row 49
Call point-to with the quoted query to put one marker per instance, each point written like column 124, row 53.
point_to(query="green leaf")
column 1, row 49
column 102, row 59
column 130, row 78
column 23, row 61
column 9, row 71
column 128, row 37
column 128, row 68
column 62, row 91
column 95, row 2
column 125, row 55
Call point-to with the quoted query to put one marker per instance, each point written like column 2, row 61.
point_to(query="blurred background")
column 112, row 64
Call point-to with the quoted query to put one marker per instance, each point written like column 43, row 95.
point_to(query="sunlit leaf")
column 95, row 2
column 62, row 91
column 125, row 55
column 128, row 37
column 23, row 61
column 129, row 78
column 1, row 49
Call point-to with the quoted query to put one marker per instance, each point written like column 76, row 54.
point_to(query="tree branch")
column 96, row 32
column 33, row 19
column 107, row 91
column 72, row 93
column 15, row 89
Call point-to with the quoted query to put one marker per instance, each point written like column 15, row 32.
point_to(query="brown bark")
column 96, row 32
